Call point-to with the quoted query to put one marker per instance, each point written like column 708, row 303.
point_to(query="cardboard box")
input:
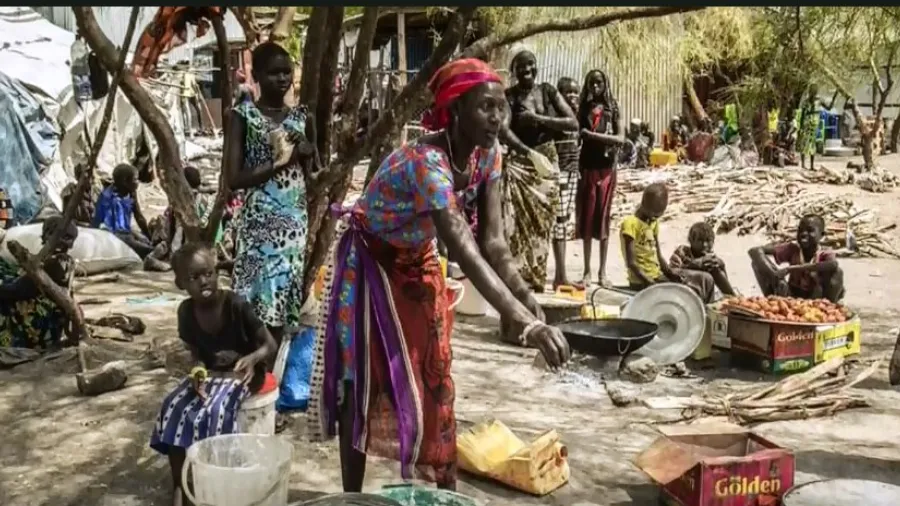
column 777, row 348
column 717, row 464
column 715, row 333
column 719, row 323
column 784, row 348
column 840, row 340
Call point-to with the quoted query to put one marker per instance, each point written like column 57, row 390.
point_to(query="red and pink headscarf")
column 450, row 82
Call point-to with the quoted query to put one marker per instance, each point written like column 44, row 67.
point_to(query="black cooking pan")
column 607, row 337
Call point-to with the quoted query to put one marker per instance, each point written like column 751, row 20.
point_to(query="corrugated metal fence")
column 113, row 20
column 647, row 87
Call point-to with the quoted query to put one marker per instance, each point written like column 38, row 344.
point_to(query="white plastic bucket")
column 257, row 414
column 238, row 470
column 472, row 303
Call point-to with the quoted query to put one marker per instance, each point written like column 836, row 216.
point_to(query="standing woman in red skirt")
column 598, row 116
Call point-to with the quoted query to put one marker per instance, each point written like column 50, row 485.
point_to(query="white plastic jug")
column 238, row 470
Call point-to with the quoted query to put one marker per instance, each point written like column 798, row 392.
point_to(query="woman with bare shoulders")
column 538, row 115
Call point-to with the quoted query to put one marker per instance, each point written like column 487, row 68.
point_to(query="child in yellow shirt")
column 639, row 237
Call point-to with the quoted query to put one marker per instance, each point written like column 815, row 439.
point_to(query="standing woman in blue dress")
column 271, row 166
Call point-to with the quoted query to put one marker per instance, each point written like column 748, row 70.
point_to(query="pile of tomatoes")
column 789, row 309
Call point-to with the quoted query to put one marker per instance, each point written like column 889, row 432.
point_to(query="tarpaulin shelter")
column 35, row 53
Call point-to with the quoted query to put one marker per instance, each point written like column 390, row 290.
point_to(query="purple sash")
column 387, row 330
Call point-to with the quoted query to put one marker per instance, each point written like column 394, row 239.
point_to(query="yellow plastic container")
column 838, row 340
column 660, row 158
column 600, row 311
column 491, row 450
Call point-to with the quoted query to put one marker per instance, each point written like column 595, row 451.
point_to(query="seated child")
column 697, row 255
column 28, row 318
column 639, row 235
column 812, row 272
column 115, row 207
column 230, row 343
column 85, row 210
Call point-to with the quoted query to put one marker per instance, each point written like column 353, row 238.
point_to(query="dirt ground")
column 61, row 449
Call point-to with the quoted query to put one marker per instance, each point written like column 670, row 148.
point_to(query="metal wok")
column 607, row 337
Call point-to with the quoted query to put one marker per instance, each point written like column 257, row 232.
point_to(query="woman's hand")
column 551, row 343
column 244, row 366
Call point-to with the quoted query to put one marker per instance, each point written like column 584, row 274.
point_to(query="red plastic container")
column 269, row 384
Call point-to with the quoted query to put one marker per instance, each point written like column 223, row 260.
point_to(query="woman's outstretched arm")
column 455, row 233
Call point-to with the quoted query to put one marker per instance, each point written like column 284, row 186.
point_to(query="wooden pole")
column 401, row 60
column 401, row 47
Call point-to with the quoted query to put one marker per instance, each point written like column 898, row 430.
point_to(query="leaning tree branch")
column 224, row 192
column 172, row 175
column 885, row 89
column 483, row 47
column 33, row 265
column 87, row 175
column 356, row 82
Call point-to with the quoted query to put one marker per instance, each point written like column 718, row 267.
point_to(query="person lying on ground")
column 28, row 318
column 812, row 271
column 231, row 346
column 697, row 255
column 639, row 235
column 116, row 206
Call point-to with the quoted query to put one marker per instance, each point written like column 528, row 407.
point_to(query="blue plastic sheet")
column 28, row 140
column 294, row 392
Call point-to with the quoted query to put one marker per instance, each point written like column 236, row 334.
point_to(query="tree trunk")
column 700, row 116
column 328, row 72
column 224, row 193
column 283, row 26
column 895, row 134
column 867, row 142
column 867, row 134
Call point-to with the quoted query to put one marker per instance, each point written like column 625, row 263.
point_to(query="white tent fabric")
column 35, row 51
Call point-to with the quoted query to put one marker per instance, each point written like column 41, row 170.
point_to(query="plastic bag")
column 542, row 164
column 294, row 392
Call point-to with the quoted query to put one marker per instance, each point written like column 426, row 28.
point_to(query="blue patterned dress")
column 271, row 232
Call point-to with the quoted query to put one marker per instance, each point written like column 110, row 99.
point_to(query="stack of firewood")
column 822, row 391
column 850, row 229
